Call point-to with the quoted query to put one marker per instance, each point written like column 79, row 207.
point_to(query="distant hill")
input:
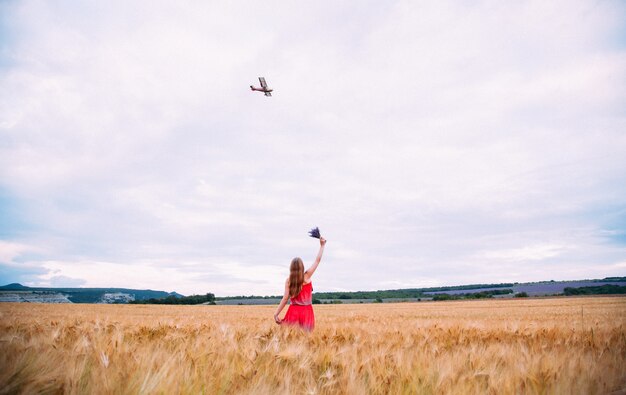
column 93, row 295
column 13, row 287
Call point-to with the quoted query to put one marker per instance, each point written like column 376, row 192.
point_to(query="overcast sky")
column 433, row 143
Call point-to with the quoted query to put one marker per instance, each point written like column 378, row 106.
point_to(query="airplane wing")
column 263, row 83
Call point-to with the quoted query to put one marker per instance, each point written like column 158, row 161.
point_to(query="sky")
column 433, row 143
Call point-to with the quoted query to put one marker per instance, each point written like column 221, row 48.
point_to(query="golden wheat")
column 543, row 346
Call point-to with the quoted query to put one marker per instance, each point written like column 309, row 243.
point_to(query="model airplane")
column 263, row 88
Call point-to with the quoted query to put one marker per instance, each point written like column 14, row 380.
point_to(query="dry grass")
column 547, row 346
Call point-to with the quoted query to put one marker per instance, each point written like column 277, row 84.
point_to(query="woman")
column 299, row 287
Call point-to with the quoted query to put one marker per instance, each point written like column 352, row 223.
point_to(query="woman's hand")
column 277, row 319
column 322, row 241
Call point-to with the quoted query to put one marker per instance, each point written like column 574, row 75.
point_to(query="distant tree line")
column 608, row 289
column 247, row 297
column 404, row 293
column 474, row 295
column 613, row 279
column 385, row 294
column 193, row 299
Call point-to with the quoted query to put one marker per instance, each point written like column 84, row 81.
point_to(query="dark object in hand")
column 315, row 232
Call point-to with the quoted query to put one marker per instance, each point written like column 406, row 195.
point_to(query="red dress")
column 300, row 311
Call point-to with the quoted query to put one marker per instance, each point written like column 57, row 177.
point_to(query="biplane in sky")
column 263, row 88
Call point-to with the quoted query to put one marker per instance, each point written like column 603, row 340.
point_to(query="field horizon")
column 16, row 292
column 548, row 345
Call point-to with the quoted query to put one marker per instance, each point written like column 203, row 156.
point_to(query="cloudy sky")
column 433, row 143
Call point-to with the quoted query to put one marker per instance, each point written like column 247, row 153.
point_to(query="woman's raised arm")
column 309, row 272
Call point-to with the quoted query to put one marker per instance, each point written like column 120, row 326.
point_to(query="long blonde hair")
column 296, row 277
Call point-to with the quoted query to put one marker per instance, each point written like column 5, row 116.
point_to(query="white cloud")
column 10, row 250
column 529, row 253
column 230, row 278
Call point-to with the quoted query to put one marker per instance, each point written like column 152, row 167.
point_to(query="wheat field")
column 526, row 346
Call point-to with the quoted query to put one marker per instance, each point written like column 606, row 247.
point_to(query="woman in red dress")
column 299, row 289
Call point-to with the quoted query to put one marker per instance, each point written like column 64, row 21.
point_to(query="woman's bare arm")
column 282, row 303
column 309, row 273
